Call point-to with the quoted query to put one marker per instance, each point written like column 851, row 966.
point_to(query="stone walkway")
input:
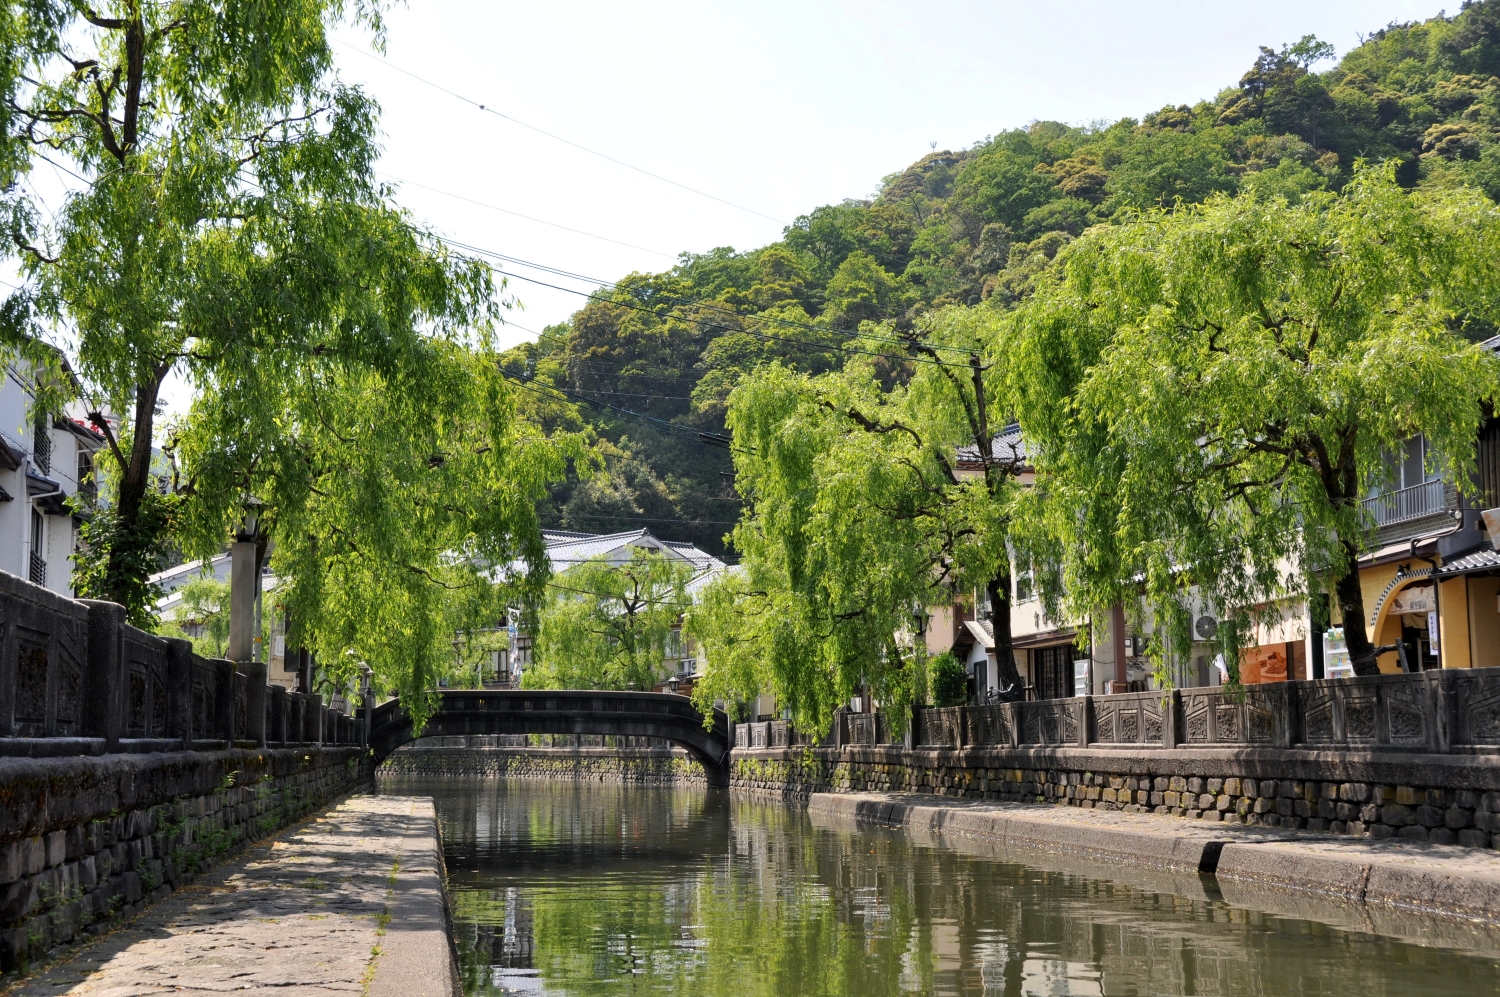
column 350, row 902
column 1416, row 876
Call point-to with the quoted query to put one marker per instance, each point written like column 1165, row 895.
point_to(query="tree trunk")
column 1351, row 606
column 1005, row 652
column 130, row 494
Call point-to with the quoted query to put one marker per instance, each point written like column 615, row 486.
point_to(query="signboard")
column 1414, row 599
column 1492, row 526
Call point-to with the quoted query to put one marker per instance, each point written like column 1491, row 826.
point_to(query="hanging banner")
column 1414, row 599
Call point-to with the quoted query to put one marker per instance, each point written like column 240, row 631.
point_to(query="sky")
column 776, row 107
column 764, row 110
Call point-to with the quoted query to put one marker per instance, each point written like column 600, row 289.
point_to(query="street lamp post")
column 244, row 585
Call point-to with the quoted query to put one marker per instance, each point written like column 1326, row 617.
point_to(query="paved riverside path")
column 1395, row 873
column 350, row 899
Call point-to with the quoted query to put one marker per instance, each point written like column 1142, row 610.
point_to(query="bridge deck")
column 496, row 711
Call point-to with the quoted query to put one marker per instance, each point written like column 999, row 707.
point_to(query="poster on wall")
column 1266, row 663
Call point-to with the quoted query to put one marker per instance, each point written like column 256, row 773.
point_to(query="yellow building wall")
column 1484, row 622
column 1453, row 606
column 1372, row 582
column 1454, row 601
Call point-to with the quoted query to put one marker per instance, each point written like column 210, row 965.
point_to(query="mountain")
column 647, row 368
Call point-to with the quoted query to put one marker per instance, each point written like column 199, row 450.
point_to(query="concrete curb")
column 1446, row 880
column 416, row 954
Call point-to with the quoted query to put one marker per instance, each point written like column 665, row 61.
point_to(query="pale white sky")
column 776, row 106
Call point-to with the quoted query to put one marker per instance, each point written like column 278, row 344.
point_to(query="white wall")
column 58, row 532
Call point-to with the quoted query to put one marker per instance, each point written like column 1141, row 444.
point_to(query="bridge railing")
column 76, row 679
column 1448, row 711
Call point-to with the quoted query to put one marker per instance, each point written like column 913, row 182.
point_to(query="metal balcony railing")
column 1427, row 499
column 38, row 573
column 41, row 448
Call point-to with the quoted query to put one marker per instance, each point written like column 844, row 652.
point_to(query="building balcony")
column 1405, row 513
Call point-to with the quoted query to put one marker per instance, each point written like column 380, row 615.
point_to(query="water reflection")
column 581, row 889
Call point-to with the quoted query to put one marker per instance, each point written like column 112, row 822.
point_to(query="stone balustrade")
column 76, row 679
column 1453, row 710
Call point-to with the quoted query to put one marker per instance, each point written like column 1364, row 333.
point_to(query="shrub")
column 949, row 680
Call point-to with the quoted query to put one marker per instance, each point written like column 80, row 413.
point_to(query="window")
column 1025, row 585
column 41, row 448
column 1408, row 466
column 87, row 491
column 38, row 559
column 1052, row 671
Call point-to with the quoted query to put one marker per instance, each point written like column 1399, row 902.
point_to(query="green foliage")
column 607, row 625
column 1209, row 391
column 204, row 607
column 414, row 480
column 975, row 225
column 950, row 681
column 857, row 517
column 228, row 227
column 978, row 225
column 116, row 556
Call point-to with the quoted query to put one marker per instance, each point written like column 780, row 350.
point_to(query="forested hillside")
column 648, row 366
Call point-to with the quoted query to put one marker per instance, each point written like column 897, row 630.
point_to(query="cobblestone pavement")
column 319, row 909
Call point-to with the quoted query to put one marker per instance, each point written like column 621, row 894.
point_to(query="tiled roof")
column 11, row 453
column 1007, row 446
column 1480, row 560
column 1492, row 344
column 565, row 549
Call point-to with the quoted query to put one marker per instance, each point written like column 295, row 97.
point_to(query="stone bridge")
column 506, row 711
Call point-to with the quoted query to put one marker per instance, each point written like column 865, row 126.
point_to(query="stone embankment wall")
column 1438, row 798
column 638, row 766
column 85, row 841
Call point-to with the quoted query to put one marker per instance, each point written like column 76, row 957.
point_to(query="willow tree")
column 867, row 502
column 400, row 499
column 1210, row 391
column 608, row 625
column 225, row 216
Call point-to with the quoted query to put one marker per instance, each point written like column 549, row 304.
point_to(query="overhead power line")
column 677, row 430
column 555, row 137
column 529, row 218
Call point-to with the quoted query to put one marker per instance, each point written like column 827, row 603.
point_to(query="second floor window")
column 1411, row 465
column 41, row 448
column 86, row 487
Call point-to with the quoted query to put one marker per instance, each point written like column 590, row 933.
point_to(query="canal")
column 585, row 889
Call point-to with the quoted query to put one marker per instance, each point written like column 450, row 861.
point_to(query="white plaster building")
column 42, row 463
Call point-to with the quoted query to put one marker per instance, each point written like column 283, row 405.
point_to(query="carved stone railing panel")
column 1050, row 721
column 1473, row 696
column 940, row 727
column 1132, row 718
column 987, row 725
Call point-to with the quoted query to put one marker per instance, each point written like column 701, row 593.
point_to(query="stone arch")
column 1403, row 579
column 639, row 714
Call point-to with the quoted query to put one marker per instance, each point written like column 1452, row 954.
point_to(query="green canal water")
column 580, row 890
